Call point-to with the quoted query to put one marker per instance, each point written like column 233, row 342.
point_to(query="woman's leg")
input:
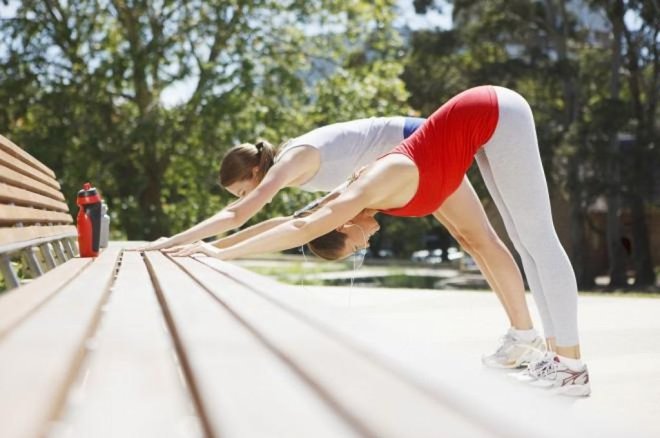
column 515, row 163
column 531, row 271
column 464, row 217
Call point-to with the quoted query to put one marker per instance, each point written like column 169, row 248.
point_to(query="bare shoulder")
column 388, row 182
column 299, row 164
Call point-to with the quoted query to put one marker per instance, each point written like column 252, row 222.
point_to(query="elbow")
column 237, row 220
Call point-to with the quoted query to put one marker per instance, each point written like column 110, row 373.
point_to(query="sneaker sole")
column 521, row 376
column 573, row 390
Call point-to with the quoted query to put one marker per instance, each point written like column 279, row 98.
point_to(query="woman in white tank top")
column 324, row 158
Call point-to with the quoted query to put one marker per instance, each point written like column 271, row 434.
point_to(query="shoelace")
column 543, row 368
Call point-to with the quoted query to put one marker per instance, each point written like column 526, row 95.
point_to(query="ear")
column 255, row 172
column 341, row 227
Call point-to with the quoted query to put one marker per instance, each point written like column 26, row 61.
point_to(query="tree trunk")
column 579, row 249
column 641, row 174
column 644, row 275
column 614, row 245
column 557, row 18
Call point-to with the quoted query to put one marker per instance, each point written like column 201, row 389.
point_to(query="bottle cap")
column 88, row 195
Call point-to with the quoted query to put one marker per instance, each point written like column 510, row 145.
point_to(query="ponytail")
column 266, row 156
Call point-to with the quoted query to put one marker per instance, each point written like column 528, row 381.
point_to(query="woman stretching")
column 495, row 125
column 322, row 159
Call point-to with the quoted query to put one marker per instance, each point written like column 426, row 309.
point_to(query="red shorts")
column 443, row 147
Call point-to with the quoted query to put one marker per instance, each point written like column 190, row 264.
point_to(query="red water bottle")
column 89, row 221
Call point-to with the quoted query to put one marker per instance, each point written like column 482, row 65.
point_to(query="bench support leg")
column 66, row 243
column 33, row 263
column 48, row 256
column 11, row 280
column 73, row 245
column 58, row 251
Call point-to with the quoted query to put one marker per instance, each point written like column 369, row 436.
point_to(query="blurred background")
column 143, row 97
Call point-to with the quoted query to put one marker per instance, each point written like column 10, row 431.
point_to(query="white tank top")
column 346, row 147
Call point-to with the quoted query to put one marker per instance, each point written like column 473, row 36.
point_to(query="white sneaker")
column 561, row 379
column 534, row 368
column 514, row 353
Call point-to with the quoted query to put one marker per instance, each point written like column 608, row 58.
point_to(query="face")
column 242, row 188
column 358, row 232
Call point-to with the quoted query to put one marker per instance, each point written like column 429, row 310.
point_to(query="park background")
column 144, row 97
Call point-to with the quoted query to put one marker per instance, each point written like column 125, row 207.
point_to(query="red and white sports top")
column 443, row 147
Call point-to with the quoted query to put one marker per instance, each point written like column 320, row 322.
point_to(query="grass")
column 293, row 271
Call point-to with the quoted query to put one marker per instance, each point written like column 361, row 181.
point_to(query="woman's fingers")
column 160, row 243
column 185, row 251
column 174, row 249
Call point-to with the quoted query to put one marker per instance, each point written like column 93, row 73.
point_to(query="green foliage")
column 553, row 54
column 83, row 84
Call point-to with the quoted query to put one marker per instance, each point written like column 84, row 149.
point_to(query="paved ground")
column 439, row 337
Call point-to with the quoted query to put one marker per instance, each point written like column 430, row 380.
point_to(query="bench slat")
column 8, row 146
column 15, row 305
column 14, row 178
column 19, row 196
column 40, row 357
column 131, row 382
column 14, row 235
column 10, row 214
column 236, row 377
column 27, row 170
column 352, row 381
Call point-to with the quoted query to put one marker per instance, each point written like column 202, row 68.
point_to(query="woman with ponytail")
column 323, row 159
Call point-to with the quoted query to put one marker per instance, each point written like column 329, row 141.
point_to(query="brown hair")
column 330, row 246
column 238, row 162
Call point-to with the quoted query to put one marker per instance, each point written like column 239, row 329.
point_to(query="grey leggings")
column 511, row 167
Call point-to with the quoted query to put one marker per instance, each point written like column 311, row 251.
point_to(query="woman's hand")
column 197, row 248
column 175, row 249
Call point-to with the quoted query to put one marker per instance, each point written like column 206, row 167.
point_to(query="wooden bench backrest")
column 33, row 211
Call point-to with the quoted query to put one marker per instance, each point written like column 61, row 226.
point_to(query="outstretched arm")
column 266, row 225
column 252, row 231
column 297, row 232
column 239, row 212
column 259, row 228
column 292, row 233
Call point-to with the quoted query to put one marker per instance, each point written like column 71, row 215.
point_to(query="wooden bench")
column 144, row 345
column 35, row 224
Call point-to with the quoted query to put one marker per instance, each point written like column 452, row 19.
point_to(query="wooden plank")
column 27, row 170
column 14, row 178
column 243, row 388
column 20, row 234
column 40, row 356
column 16, row 305
column 8, row 146
column 19, row 196
column 131, row 384
column 10, row 214
column 376, row 400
